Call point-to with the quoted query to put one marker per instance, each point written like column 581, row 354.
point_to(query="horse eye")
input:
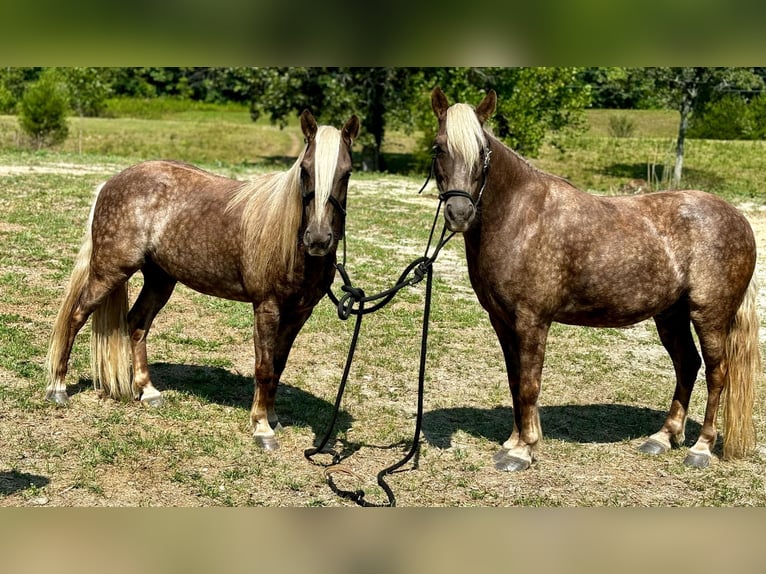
column 437, row 149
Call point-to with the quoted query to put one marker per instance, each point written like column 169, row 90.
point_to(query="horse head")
column 324, row 173
column 461, row 156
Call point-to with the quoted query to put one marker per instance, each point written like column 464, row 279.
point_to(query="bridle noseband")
column 450, row 193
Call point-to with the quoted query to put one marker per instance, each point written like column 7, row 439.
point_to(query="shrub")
column 42, row 111
column 727, row 118
column 757, row 124
column 621, row 126
column 87, row 88
column 7, row 101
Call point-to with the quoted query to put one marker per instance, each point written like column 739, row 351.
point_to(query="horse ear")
column 308, row 125
column 439, row 102
column 350, row 129
column 487, row 107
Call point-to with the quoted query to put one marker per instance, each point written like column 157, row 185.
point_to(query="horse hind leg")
column 155, row 293
column 84, row 295
column 674, row 329
column 731, row 352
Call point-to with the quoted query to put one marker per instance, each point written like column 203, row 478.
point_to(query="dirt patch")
column 60, row 168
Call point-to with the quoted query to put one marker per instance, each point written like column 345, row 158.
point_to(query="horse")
column 539, row 250
column 270, row 242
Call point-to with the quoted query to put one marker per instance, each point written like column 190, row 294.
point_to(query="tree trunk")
column 687, row 104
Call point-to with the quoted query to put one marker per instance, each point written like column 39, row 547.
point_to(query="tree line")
column 535, row 104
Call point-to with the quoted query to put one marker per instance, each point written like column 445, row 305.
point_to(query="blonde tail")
column 742, row 367
column 60, row 337
column 110, row 349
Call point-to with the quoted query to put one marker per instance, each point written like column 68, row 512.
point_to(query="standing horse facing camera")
column 270, row 242
column 540, row 250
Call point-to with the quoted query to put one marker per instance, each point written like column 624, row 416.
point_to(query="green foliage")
column 7, row 101
column 42, row 111
column 533, row 103
column 731, row 118
column 537, row 101
column 620, row 88
column 88, row 89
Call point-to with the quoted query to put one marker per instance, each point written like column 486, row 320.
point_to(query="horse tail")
column 110, row 348
column 60, row 335
column 110, row 342
column 742, row 370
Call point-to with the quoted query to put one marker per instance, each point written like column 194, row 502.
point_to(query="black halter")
column 445, row 195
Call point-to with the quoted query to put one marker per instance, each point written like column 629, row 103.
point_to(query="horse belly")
column 208, row 264
column 618, row 304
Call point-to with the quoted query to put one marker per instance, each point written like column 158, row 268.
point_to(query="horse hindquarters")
column 107, row 301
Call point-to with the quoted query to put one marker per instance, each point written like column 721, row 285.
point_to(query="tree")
column 88, row 89
column 376, row 95
column 620, row 88
column 689, row 89
column 533, row 103
column 42, row 110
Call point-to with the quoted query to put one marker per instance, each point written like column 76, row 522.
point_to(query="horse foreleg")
column 265, row 336
column 524, row 353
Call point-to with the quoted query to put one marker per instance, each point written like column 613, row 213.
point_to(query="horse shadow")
column 693, row 176
column 596, row 423
column 12, row 481
column 295, row 406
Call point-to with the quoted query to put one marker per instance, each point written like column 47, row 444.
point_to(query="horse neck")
column 511, row 181
column 508, row 171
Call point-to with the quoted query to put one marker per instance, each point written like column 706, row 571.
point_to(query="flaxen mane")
column 273, row 207
column 465, row 136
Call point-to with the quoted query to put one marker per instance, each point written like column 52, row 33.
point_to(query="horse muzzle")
column 318, row 242
column 459, row 210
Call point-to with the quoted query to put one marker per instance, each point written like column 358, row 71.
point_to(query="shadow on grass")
column 295, row 406
column 692, row 177
column 598, row 423
column 13, row 481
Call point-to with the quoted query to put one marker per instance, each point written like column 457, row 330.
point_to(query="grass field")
column 603, row 390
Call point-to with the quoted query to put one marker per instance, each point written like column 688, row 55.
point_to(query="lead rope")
column 421, row 267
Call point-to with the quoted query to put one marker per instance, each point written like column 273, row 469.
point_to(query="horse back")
column 174, row 215
column 578, row 258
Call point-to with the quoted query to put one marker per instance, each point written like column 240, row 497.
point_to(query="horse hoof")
column 507, row 462
column 153, row 402
column 266, row 442
column 697, row 460
column 652, row 446
column 57, row 397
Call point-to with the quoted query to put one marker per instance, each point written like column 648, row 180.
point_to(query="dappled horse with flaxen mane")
column 540, row 250
column 270, row 242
